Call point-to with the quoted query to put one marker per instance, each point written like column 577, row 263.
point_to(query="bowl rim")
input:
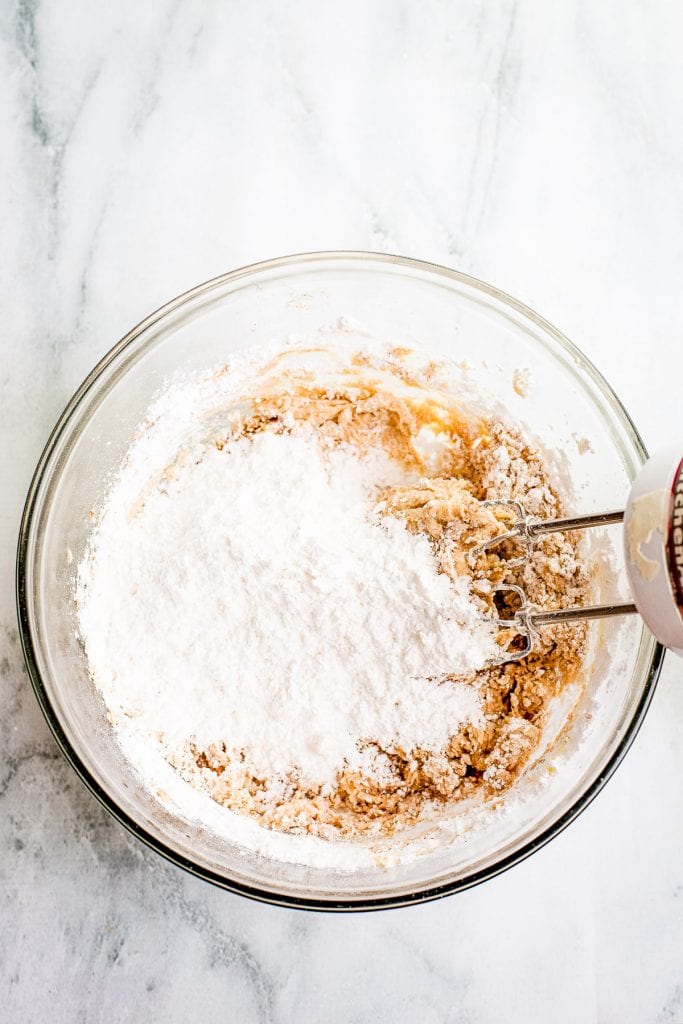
column 63, row 740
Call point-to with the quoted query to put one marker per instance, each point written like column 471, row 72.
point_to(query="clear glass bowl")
column 407, row 301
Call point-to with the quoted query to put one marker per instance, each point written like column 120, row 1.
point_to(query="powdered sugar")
column 253, row 596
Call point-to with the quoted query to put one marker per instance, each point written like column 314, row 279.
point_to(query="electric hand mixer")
column 653, row 549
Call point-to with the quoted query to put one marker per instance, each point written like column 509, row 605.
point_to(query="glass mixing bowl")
column 409, row 302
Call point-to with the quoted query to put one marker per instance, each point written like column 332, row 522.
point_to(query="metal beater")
column 653, row 549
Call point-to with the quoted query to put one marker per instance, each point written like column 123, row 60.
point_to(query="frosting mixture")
column 279, row 594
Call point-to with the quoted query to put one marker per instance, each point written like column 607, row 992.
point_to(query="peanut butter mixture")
column 383, row 404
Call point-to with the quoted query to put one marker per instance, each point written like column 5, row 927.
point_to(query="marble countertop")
column 147, row 147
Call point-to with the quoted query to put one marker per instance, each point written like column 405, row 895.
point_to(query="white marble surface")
column 146, row 147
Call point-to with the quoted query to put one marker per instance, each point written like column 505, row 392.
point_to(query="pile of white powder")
column 253, row 596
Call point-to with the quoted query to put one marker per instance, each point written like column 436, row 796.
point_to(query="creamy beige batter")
column 370, row 402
